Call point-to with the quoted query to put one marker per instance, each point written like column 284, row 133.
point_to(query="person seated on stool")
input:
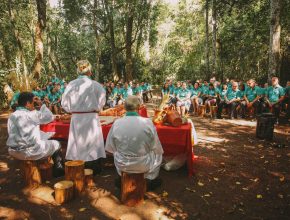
column 274, row 97
column 183, row 100
column 195, row 97
column 134, row 142
column 251, row 97
column 25, row 140
column 232, row 101
column 211, row 97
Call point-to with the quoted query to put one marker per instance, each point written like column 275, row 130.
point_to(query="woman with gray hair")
column 84, row 98
column 134, row 142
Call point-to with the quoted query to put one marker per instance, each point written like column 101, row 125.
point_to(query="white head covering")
column 84, row 67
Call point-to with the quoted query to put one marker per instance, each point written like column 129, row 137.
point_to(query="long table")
column 174, row 140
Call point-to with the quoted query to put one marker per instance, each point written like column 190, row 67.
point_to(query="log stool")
column 45, row 171
column 32, row 176
column 36, row 171
column 133, row 187
column 74, row 171
column 213, row 111
column 63, row 191
column 201, row 110
column 89, row 178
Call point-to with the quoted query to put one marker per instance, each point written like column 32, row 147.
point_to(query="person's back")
column 83, row 95
column 134, row 142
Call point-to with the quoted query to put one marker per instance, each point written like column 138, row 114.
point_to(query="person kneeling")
column 134, row 142
column 25, row 140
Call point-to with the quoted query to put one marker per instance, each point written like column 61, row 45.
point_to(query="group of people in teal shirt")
column 187, row 96
column 117, row 94
column 49, row 94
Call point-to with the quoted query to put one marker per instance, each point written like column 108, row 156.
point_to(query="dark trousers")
column 232, row 107
column 145, row 97
column 276, row 108
column 256, row 106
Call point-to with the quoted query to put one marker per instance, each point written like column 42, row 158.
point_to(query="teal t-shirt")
column 222, row 94
column 136, row 90
column 126, row 92
column 53, row 97
column 231, row 94
column 171, row 89
column 14, row 99
column 262, row 91
column 176, row 90
column 287, row 91
column 274, row 93
column 194, row 91
column 183, row 93
column 205, row 89
column 252, row 93
column 166, row 91
column 211, row 92
column 241, row 94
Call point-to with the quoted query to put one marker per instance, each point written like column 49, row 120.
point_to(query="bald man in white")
column 134, row 142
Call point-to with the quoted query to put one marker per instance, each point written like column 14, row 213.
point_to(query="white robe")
column 136, row 147
column 85, row 140
column 25, row 140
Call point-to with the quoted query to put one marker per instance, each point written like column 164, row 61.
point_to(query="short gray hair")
column 84, row 67
column 132, row 103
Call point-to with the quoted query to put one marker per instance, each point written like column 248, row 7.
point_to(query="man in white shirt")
column 134, row 142
column 25, row 140
column 84, row 98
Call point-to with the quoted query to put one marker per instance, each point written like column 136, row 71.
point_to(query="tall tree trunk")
column 275, row 32
column 207, row 38
column 129, row 62
column 39, row 29
column 20, row 52
column 112, row 41
column 214, row 30
column 97, row 41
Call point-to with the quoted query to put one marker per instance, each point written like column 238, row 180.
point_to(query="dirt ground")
column 236, row 177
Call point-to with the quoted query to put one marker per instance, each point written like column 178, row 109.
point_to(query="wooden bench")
column 133, row 188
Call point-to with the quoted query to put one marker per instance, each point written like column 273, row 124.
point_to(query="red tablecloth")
column 174, row 140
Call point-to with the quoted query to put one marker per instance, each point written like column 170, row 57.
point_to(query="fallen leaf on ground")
column 259, row 196
column 191, row 190
column 245, row 189
column 216, row 179
column 280, row 196
column 207, row 195
column 164, row 194
column 238, row 183
column 262, row 157
column 282, row 178
column 82, row 209
column 200, row 183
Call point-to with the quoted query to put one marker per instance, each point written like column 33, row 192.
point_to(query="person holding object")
column 84, row 98
column 25, row 140
column 134, row 142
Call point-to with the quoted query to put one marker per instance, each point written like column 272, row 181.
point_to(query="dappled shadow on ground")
column 236, row 177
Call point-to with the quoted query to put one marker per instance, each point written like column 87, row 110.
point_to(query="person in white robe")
column 84, row 98
column 134, row 142
column 25, row 139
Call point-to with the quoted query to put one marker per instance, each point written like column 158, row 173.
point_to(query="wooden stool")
column 32, row 176
column 213, row 111
column 36, row 171
column 133, row 187
column 201, row 110
column 45, row 171
column 63, row 191
column 74, row 171
column 89, row 177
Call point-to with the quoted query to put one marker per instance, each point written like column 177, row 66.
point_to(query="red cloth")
column 174, row 140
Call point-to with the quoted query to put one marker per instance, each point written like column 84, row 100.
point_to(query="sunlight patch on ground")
column 110, row 206
column 40, row 195
column 7, row 213
column 243, row 122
